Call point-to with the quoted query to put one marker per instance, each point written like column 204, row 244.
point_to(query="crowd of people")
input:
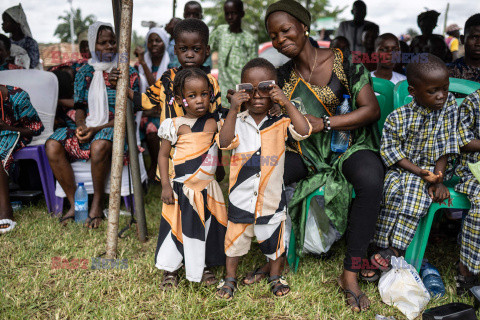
column 278, row 131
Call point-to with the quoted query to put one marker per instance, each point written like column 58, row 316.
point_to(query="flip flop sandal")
column 90, row 220
column 226, row 286
column 63, row 219
column 253, row 276
column 208, row 278
column 385, row 254
column 465, row 283
column 278, row 283
column 354, row 296
column 11, row 225
column 373, row 278
column 170, row 280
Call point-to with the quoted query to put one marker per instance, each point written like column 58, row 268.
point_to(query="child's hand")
column 114, row 76
column 439, row 193
column 277, row 95
column 230, row 93
column 167, row 195
column 238, row 99
column 139, row 53
column 275, row 111
column 431, row 177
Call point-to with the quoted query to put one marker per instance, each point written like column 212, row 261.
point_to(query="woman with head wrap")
column 320, row 78
column 15, row 22
column 151, row 64
column 94, row 101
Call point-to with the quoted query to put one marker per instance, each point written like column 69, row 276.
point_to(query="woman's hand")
column 140, row 53
column 238, row 99
column 317, row 123
column 85, row 134
column 230, row 93
column 113, row 77
column 167, row 195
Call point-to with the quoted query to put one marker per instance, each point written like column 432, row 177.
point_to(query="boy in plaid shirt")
column 417, row 141
column 469, row 141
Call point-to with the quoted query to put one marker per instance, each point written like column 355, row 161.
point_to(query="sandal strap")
column 353, row 295
column 228, row 285
column 277, row 283
column 258, row 272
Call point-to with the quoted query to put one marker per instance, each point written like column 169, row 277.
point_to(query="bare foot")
column 348, row 281
column 69, row 216
column 257, row 275
column 95, row 218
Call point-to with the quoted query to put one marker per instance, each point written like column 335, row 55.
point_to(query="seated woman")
column 151, row 65
column 320, row 77
column 94, row 101
column 19, row 123
column 15, row 22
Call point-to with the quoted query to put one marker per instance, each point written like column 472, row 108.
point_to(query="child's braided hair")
column 183, row 75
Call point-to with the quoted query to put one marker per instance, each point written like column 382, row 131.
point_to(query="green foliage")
column 79, row 25
column 412, row 32
column 255, row 14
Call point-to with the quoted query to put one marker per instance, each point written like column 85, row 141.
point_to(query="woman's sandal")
column 355, row 307
column 90, row 220
column 386, row 255
column 170, row 280
column 7, row 225
column 465, row 283
column 278, row 283
column 255, row 276
column 226, row 288
column 65, row 218
column 372, row 278
column 208, row 278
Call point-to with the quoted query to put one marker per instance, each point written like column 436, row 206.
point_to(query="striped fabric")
column 421, row 136
column 17, row 111
column 469, row 129
column 66, row 136
column 192, row 231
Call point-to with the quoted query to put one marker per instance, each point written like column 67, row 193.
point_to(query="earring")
column 307, row 33
column 185, row 103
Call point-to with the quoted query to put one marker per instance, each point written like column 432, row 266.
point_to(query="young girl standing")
column 193, row 212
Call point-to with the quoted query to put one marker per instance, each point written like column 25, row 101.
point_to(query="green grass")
column 31, row 289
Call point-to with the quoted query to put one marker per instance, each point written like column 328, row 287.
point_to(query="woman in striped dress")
column 194, row 217
column 94, row 102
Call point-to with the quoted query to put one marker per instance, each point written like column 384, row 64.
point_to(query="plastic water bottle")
column 340, row 139
column 432, row 279
column 81, row 204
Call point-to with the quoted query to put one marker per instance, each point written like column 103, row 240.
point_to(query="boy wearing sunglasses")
column 257, row 205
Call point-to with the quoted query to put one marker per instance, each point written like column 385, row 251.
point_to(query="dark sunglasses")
column 263, row 88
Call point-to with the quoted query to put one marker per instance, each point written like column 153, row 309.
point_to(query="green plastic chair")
column 401, row 96
column 384, row 90
column 416, row 249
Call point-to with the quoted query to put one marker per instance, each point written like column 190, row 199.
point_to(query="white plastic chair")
column 42, row 87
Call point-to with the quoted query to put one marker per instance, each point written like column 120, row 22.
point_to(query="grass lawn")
column 31, row 289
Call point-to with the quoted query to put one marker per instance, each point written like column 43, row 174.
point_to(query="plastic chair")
column 416, row 249
column 401, row 96
column 384, row 92
column 82, row 173
column 42, row 87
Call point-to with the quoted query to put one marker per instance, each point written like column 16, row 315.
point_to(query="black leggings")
column 365, row 171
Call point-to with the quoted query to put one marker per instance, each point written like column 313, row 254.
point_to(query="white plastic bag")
column 403, row 288
column 319, row 233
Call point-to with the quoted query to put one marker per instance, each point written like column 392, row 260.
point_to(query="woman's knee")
column 100, row 150
column 54, row 149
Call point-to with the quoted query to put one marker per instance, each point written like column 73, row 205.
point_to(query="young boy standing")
column 417, row 142
column 469, row 140
column 257, row 205
column 235, row 46
column 386, row 45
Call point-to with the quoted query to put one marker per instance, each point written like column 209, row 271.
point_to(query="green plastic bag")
column 475, row 169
